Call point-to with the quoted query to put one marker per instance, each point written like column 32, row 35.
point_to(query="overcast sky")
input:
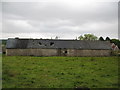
column 66, row 19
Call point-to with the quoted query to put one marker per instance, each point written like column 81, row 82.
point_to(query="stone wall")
column 57, row 52
column 31, row 52
column 74, row 52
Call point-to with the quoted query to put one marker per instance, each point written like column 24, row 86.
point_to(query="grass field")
column 59, row 72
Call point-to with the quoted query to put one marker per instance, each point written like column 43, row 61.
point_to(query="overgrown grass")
column 60, row 72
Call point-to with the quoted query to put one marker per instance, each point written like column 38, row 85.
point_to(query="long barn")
column 57, row 47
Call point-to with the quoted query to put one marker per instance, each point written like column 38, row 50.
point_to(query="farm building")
column 114, row 47
column 57, row 47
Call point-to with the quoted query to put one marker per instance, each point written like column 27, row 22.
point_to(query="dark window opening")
column 65, row 51
column 40, row 43
column 45, row 45
column 51, row 43
column 4, row 52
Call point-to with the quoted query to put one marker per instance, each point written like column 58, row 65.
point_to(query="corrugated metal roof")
column 53, row 43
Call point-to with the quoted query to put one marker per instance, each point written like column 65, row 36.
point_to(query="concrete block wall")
column 56, row 52
column 31, row 52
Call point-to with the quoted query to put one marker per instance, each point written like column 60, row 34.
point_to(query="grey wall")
column 57, row 52
column 32, row 52
column 72, row 52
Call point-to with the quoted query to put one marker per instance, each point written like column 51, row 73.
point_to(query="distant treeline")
column 4, row 41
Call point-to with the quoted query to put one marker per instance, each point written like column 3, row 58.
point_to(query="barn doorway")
column 62, row 52
column 59, row 52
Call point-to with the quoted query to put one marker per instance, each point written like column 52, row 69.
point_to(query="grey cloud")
column 57, row 10
column 53, row 18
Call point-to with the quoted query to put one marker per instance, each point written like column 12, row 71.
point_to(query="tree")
column 88, row 37
column 81, row 37
column 101, row 39
column 107, row 39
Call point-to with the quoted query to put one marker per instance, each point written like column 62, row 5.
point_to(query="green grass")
column 59, row 72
